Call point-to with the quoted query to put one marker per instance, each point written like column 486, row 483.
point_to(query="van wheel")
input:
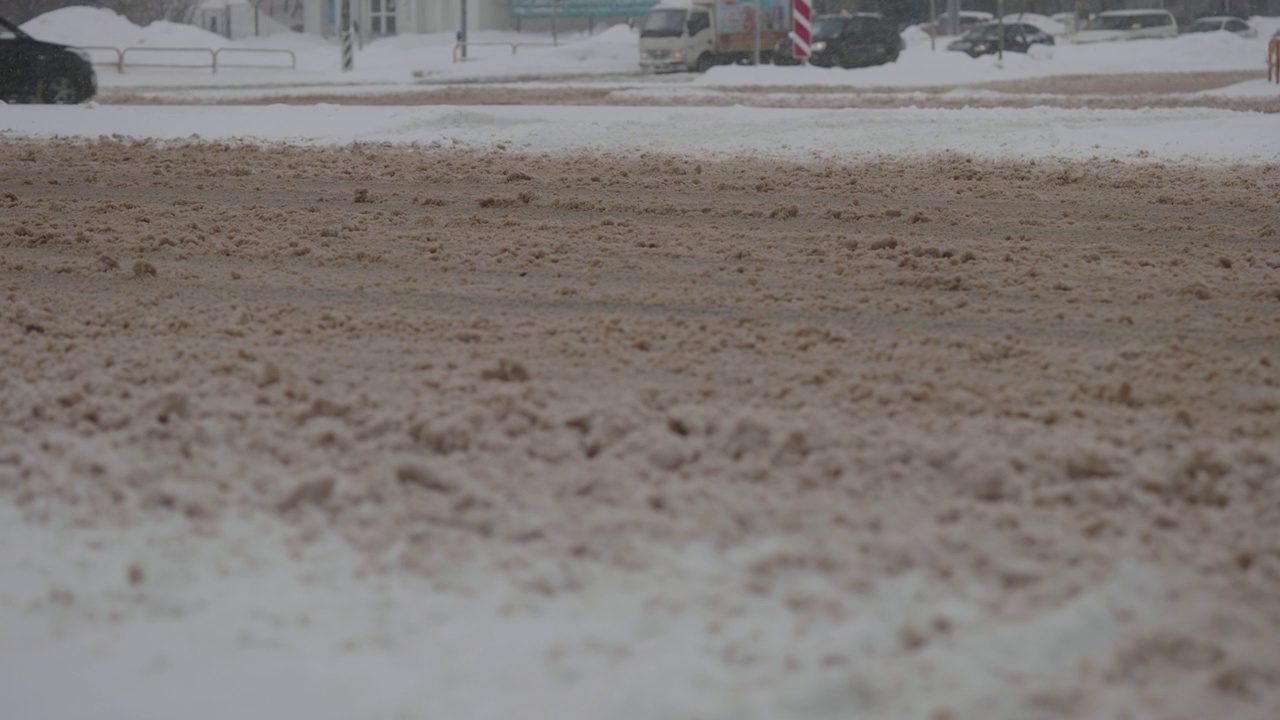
column 704, row 63
column 891, row 55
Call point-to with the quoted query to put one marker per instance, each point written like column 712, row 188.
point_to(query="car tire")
column 891, row 55
column 61, row 89
column 704, row 63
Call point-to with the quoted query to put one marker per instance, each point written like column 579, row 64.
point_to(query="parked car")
column 1224, row 23
column 985, row 39
column 36, row 71
column 1128, row 25
column 853, row 40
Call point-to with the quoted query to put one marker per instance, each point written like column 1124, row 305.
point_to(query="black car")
column 35, row 71
column 985, row 39
column 851, row 40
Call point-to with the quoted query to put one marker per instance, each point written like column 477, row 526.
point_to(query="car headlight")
column 677, row 55
column 980, row 47
column 818, row 46
column 644, row 54
column 82, row 54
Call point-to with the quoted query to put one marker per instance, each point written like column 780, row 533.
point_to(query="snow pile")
column 88, row 26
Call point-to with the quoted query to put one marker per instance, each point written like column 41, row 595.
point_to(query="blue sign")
column 523, row 9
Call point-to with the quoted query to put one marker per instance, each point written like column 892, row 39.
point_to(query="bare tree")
column 144, row 12
column 20, row 11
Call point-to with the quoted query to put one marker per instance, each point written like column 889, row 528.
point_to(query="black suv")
column 851, row 40
column 35, row 71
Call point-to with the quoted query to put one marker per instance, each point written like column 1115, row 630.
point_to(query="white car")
column 1128, row 25
column 1224, row 23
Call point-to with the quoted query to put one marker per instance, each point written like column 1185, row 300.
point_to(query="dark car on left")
column 35, row 71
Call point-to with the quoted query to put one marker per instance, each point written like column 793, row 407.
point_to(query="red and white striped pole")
column 800, row 28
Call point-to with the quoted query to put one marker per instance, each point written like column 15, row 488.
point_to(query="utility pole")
column 1000, row 26
column 462, row 34
column 756, row 60
column 933, row 22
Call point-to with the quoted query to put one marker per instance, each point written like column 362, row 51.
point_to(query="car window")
column 1126, row 22
column 827, row 27
column 7, row 34
column 1236, row 26
column 984, row 32
column 698, row 22
column 865, row 25
column 1109, row 22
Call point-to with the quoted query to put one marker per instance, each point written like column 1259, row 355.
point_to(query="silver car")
column 1223, row 23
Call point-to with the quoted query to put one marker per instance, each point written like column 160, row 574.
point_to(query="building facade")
column 380, row 18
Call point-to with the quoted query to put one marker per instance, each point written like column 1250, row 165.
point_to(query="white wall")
column 435, row 16
column 418, row 16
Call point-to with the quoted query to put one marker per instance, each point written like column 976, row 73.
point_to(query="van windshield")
column 667, row 22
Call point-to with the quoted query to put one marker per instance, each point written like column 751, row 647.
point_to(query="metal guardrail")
column 121, row 55
column 513, row 46
column 119, row 63
column 124, row 55
column 217, row 54
column 1273, row 60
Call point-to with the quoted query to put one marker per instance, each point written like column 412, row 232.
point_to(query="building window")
column 382, row 17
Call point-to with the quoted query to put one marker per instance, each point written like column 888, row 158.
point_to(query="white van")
column 1128, row 25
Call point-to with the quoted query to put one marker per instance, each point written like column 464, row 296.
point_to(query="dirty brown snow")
column 1023, row 384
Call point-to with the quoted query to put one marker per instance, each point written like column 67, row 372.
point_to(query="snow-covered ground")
column 610, row 57
column 121, row 622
